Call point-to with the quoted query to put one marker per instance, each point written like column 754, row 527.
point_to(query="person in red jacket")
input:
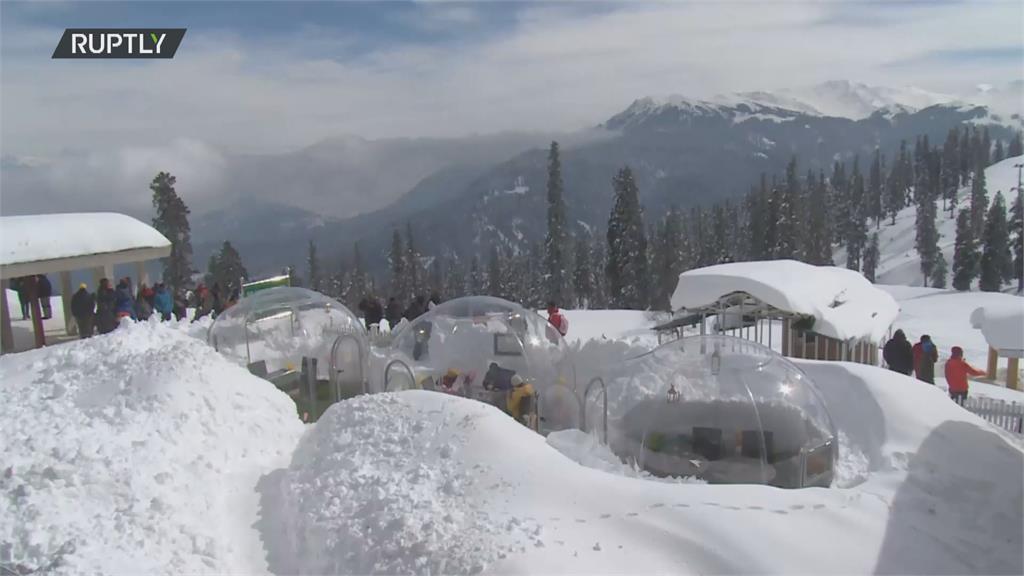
column 925, row 357
column 957, row 371
column 557, row 319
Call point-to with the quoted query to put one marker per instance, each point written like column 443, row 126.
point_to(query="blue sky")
column 281, row 75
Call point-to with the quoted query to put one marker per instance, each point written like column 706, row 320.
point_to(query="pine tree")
column 339, row 281
column 871, row 256
column 667, row 258
column 495, row 278
column 966, row 156
column 171, row 220
column 1016, row 147
column 627, row 246
column 454, row 279
column 787, row 242
column 360, row 284
column 475, row 282
column 979, row 200
column 996, row 259
column 583, row 274
column 950, row 173
column 875, row 208
column 1017, row 238
column 399, row 278
column 556, row 243
column 293, row 277
column 818, row 245
column 985, row 151
column 999, row 154
column 927, row 236
column 856, row 224
column 413, row 266
column 965, row 253
column 313, row 267
column 226, row 269
column 838, row 200
column 895, row 195
column 939, row 271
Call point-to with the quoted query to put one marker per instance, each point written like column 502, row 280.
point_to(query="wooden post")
column 1012, row 371
column 6, row 333
column 993, row 363
column 37, row 314
column 785, row 337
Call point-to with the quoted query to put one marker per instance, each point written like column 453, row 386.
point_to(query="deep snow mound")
column 383, row 484
column 130, row 453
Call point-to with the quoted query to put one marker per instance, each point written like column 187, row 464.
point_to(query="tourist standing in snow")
column 83, row 308
column 393, row 312
column 106, row 304
column 218, row 301
column 925, row 357
column 45, row 291
column 434, row 300
column 204, row 302
column 143, row 306
column 124, row 304
column 898, row 354
column 557, row 319
column 373, row 312
column 415, row 309
column 162, row 302
column 957, row 371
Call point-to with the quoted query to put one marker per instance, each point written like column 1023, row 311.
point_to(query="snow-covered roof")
column 1002, row 324
column 843, row 303
column 37, row 243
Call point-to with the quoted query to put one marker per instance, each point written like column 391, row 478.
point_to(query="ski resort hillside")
column 899, row 262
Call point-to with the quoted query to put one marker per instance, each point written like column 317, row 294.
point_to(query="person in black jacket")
column 393, row 313
column 373, row 312
column 20, row 285
column 45, row 292
column 83, row 308
column 106, row 308
column 898, row 354
column 416, row 308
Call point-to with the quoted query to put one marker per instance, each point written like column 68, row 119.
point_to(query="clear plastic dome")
column 718, row 408
column 311, row 346
column 491, row 350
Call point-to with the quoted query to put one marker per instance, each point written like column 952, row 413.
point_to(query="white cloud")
column 553, row 68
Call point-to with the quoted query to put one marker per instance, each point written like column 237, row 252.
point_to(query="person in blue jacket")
column 162, row 302
column 124, row 304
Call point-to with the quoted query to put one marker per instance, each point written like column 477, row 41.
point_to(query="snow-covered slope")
column 899, row 262
column 135, row 453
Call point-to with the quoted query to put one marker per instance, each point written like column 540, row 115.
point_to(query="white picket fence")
column 1007, row 415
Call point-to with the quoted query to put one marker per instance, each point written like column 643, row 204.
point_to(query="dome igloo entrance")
column 310, row 346
column 491, row 350
column 718, row 408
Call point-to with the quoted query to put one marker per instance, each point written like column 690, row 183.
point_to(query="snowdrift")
column 420, row 482
column 136, row 452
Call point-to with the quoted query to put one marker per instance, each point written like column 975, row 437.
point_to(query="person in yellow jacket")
column 522, row 402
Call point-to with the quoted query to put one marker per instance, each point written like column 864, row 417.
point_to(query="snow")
column 844, row 304
column 135, row 452
column 24, row 338
column 899, row 262
column 1002, row 324
column 33, row 238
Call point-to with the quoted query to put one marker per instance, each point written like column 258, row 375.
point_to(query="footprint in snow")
column 605, row 516
column 755, row 507
column 657, row 506
column 581, row 521
column 733, row 508
column 797, row 507
column 632, row 514
column 780, row 512
column 711, row 504
column 819, row 506
column 681, row 505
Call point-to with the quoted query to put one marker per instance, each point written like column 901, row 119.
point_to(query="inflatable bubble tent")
column 311, row 346
column 718, row 408
column 490, row 350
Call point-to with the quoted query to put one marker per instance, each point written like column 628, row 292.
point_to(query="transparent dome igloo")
column 311, row 346
column 490, row 350
column 718, row 408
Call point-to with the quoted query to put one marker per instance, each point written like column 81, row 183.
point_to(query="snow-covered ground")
column 899, row 263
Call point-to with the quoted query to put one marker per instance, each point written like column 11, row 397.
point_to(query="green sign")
column 252, row 287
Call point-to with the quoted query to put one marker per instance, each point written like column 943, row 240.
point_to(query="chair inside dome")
column 309, row 345
column 717, row 408
column 491, row 350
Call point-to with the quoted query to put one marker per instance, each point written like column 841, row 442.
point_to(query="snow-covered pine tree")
column 396, row 259
column 996, row 259
column 454, row 279
column 950, row 172
column 838, row 201
column 757, row 218
column 476, row 283
column 583, row 274
column 667, row 258
column 171, row 220
column 895, row 195
column 556, row 243
column 360, row 285
column 495, row 278
column 927, row 236
column 966, row 156
column 906, row 173
column 855, row 223
column 789, row 227
column 979, row 200
column 875, row 209
column 313, row 267
column 339, row 280
column 1016, row 147
column 871, row 256
column 599, row 263
column 1017, row 238
column 818, row 245
column 985, row 150
column 628, row 279
column 293, row 277
column 940, row 271
column 965, row 253
column 998, row 154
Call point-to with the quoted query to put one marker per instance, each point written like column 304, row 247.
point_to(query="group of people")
column 374, row 312
column 32, row 288
column 209, row 301
column 920, row 359
column 100, row 311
